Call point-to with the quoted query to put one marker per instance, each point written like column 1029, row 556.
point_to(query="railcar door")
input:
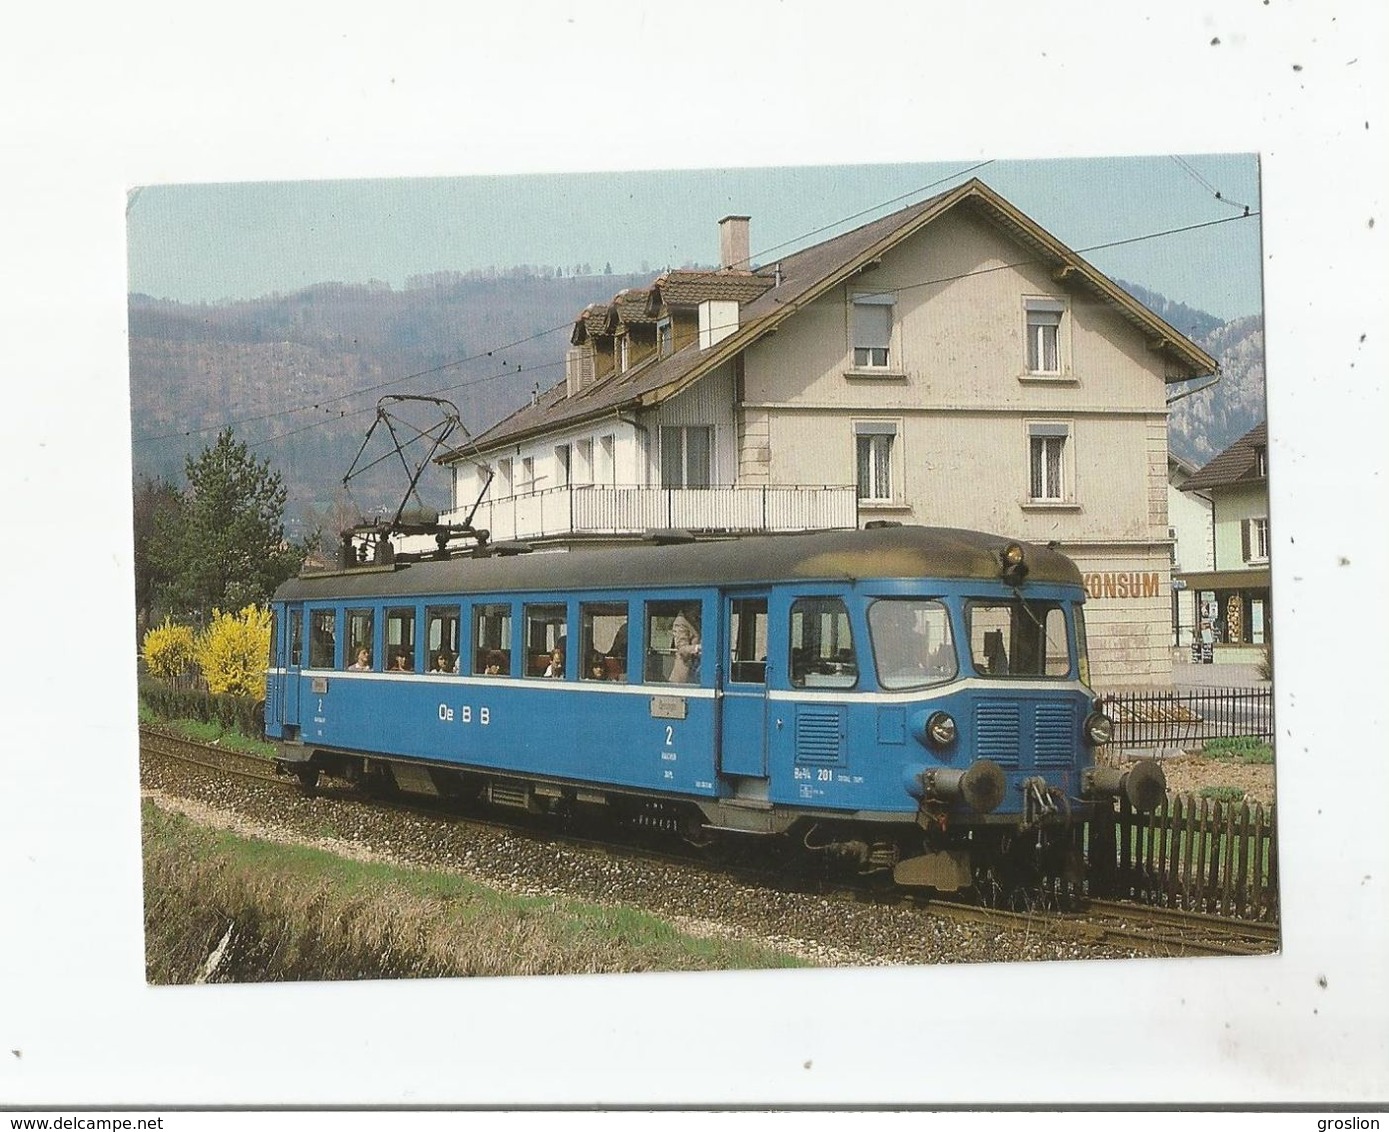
column 743, row 685
column 292, row 660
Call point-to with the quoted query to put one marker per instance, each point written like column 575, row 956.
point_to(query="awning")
column 1257, row 579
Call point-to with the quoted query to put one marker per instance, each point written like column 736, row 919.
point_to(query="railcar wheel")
column 308, row 777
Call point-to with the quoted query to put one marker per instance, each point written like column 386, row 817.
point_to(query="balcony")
column 592, row 510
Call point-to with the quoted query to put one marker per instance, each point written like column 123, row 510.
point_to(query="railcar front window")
column 1082, row 648
column 1018, row 638
column 323, row 638
column 913, row 646
column 603, row 640
column 822, row 644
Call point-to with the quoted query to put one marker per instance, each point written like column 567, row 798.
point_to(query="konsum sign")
column 1123, row 584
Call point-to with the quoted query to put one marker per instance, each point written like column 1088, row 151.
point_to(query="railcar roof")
column 839, row 556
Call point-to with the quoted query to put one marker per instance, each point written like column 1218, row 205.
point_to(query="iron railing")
column 1185, row 719
column 593, row 509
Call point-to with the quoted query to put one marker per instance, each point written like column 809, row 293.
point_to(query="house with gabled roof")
column 950, row 364
column 1233, row 596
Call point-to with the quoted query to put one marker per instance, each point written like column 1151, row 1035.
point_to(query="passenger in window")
column 493, row 663
column 597, row 667
column 556, row 666
column 363, row 662
column 444, row 664
column 685, row 638
column 402, row 663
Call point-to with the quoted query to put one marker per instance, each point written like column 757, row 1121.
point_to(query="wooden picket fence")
column 1191, row 853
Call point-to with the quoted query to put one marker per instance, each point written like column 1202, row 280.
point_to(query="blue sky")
column 242, row 240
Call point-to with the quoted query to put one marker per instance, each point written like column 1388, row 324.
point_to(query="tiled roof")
column 777, row 291
column 634, row 305
column 690, row 288
column 1237, row 464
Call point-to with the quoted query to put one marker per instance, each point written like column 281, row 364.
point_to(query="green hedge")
column 236, row 713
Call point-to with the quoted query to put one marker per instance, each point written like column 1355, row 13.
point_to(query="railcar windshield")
column 1018, row 638
column 913, row 646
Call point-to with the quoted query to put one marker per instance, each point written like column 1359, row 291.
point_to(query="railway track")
column 1132, row 927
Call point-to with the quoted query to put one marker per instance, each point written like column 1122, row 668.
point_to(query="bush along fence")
column 1167, row 720
column 178, row 699
column 1191, row 853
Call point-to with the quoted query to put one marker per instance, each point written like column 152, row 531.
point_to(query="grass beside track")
column 286, row 913
column 209, row 732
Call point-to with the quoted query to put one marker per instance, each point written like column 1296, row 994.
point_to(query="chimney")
column 734, row 254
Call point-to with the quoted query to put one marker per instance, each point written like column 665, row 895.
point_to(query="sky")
column 152, row 92
column 210, row 242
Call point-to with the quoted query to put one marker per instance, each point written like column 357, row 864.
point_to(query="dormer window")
column 665, row 338
column 1261, row 462
column 622, row 353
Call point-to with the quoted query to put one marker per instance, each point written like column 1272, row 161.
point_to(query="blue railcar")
column 907, row 699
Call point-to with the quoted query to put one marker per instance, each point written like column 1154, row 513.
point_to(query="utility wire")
column 1182, row 163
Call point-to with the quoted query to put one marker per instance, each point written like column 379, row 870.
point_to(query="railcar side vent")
column 820, row 735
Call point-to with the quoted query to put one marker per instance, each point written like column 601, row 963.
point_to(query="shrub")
column 168, row 649
column 232, row 653
column 1223, row 793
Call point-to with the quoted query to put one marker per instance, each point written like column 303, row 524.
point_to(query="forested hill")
column 299, row 375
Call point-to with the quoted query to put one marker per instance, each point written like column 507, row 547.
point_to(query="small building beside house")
column 1233, row 596
column 951, row 364
column 1192, row 531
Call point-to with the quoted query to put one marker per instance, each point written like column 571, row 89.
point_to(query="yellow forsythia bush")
column 168, row 649
column 232, row 652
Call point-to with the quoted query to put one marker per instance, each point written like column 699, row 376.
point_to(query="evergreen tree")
column 226, row 545
column 155, row 500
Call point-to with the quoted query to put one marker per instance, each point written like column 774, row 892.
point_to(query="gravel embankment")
column 820, row 929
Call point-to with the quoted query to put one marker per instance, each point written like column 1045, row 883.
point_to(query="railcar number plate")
column 667, row 707
column 320, row 685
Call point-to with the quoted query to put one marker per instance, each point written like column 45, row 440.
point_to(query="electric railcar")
column 907, row 700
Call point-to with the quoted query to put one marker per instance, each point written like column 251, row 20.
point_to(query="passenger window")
column 747, row 635
column 603, row 640
column 822, row 646
column 360, row 641
column 546, row 640
column 323, row 639
column 296, row 638
column 492, row 640
column 400, row 640
column 441, row 638
column 674, row 644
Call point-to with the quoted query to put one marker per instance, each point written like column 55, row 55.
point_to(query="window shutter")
column 1244, row 537
column 872, row 325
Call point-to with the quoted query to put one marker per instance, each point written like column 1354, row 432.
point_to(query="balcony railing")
column 594, row 510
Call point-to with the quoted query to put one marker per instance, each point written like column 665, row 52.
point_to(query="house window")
column 622, row 353
column 562, row 465
column 606, row 471
column 583, row 462
column 1254, row 537
column 1044, row 335
column 873, row 442
column 1047, row 461
column 687, row 456
column 527, row 482
column 1261, row 461
column 872, row 331
column 503, row 479
column 664, row 338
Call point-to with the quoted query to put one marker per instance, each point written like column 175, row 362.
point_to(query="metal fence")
column 1184, row 720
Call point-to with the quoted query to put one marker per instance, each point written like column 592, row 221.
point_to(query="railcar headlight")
column 1099, row 729
column 940, row 729
column 1014, row 564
